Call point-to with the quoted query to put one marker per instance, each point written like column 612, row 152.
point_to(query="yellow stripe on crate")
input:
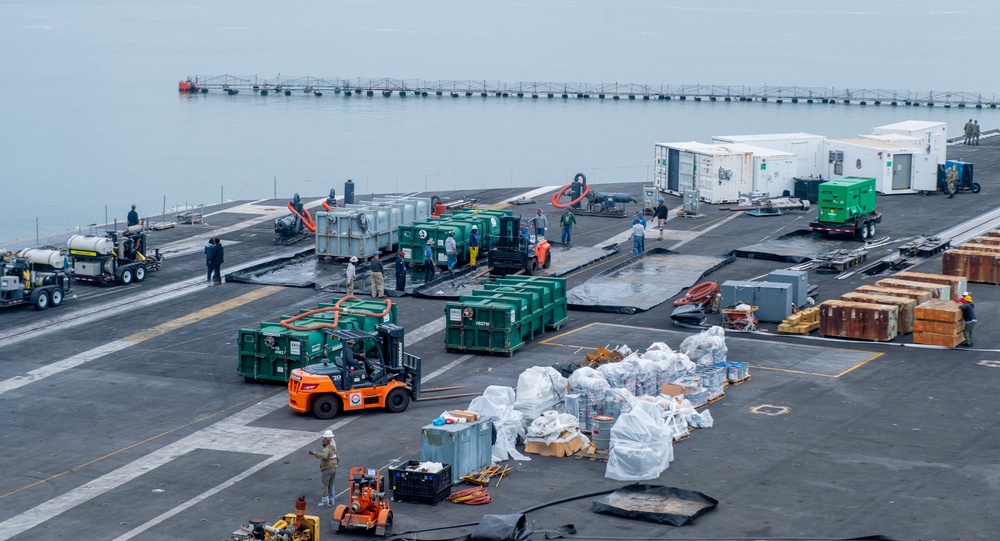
column 204, row 313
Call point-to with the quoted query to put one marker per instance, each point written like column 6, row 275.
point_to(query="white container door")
column 925, row 172
column 902, row 168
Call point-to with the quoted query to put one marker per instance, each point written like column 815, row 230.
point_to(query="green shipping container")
column 536, row 315
column 843, row 199
column 487, row 325
column 553, row 312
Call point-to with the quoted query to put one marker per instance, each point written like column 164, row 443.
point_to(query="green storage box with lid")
column 553, row 313
column 481, row 324
column 533, row 316
column 531, row 321
column 557, row 294
column 414, row 237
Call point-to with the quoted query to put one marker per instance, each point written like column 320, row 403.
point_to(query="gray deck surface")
column 124, row 417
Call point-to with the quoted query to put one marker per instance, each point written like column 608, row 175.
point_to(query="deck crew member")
column 133, row 217
column 541, row 222
column 328, row 460
column 661, row 216
column 352, row 273
column 568, row 222
column 429, row 261
column 473, row 245
column 378, row 277
column 451, row 251
column 401, row 272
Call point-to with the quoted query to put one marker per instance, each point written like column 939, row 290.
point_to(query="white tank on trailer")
column 99, row 245
column 52, row 258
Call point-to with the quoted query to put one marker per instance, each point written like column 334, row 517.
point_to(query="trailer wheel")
column 397, row 401
column 42, row 300
column 975, row 187
column 57, row 296
column 140, row 273
column 125, row 276
column 326, row 406
column 871, row 230
column 862, row 232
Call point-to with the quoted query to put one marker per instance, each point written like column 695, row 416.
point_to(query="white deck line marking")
column 706, row 230
column 424, row 331
column 533, row 193
column 39, row 374
column 446, row 368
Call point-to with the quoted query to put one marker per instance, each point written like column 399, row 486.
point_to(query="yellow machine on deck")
column 297, row 526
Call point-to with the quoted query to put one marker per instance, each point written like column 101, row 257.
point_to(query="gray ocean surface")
column 92, row 120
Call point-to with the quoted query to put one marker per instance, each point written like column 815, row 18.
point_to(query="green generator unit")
column 271, row 351
column 847, row 205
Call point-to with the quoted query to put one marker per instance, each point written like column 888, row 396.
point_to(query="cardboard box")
column 557, row 449
column 671, row 389
column 469, row 416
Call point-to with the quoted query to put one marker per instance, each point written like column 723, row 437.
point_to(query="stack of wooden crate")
column 938, row 323
column 938, row 291
column 976, row 265
column 803, row 322
column 905, row 305
column 860, row 320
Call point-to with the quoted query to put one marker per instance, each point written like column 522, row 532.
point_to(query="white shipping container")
column 896, row 169
column 774, row 171
column 933, row 136
column 809, row 149
column 719, row 173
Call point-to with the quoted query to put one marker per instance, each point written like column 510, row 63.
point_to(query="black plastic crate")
column 416, row 486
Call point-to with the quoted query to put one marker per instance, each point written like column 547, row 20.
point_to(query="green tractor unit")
column 847, row 205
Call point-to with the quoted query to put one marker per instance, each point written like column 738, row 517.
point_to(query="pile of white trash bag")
column 539, row 388
column 497, row 404
column 642, row 445
column 707, row 347
column 554, row 427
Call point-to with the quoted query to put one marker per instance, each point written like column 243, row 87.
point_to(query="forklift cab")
column 374, row 351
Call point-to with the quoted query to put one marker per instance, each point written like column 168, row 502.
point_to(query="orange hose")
column 558, row 195
column 701, row 294
column 327, row 206
column 337, row 310
column 306, row 218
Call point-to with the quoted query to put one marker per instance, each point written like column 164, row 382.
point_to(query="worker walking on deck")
column 209, row 258
column 968, row 132
column 638, row 237
column 133, row 217
column 951, row 182
column 568, row 222
column 473, row 246
column 975, row 132
column 328, row 461
column 378, row 277
column 218, row 258
column 352, row 273
column 451, row 251
column 401, row 272
column 661, row 216
column 429, row 261
column 541, row 222
column 969, row 315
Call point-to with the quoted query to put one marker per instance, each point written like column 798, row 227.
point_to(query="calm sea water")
column 91, row 118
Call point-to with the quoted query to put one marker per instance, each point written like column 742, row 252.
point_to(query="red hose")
column 306, row 218
column 558, row 195
column 701, row 294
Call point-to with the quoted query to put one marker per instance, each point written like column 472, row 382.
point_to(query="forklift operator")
column 353, row 361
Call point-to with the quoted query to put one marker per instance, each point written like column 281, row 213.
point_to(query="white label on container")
column 455, row 314
column 295, row 347
column 512, row 316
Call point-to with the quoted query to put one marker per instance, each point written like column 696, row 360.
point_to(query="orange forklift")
column 373, row 372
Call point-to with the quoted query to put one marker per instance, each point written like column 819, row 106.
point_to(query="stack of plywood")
column 938, row 323
column 938, row 291
column 977, row 266
column 993, row 240
column 905, row 306
column 958, row 284
column 993, row 248
column 803, row 322
column 864, row 321
column 917, row 295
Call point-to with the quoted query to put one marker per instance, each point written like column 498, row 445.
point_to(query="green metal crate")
column 485, row 325
column 550, row 289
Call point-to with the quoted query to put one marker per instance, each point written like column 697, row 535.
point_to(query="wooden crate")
column 932, row 339
column 938, row 291
column 864, row 321
column 993, row 233
column 905, row 305
column 975, row 265
column 987, row 239
column 939, row 327
column 979, row 247
column 938, row 310
column 915, row 294
column 958, row 284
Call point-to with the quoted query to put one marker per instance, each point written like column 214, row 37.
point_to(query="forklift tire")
column 531, row 267
column 326, row 406
column 975, row 187
column 397, row 400
column 42, row 300
column 57, row 296
column 548, row 260
column 125, row 276
column 140, row 273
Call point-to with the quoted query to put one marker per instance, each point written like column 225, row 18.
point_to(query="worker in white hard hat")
column 328, row 460
column 473, row 245
column 352, row 273
column 661, row 216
